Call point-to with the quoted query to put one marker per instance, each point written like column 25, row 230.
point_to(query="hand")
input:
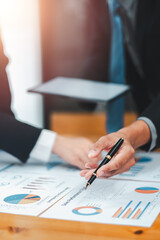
column 136, row 135
column 74, row 150
column 122, row 161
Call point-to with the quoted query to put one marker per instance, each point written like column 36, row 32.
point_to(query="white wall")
column 19, row 21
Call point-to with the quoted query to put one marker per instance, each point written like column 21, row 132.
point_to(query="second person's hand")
column 134, row 136
column 74, row 150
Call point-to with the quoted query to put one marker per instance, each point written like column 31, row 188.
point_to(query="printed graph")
column 147, row 190
column 139, row 212
column 22, row 199
column 137, row 168
column 131, row 211
column 40, row 183
column 143, row 159
column 87, row 210
column 51, row 165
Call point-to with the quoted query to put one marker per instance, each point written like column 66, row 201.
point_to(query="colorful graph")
column 131, row 212
column 143, row 159
column 147, row 190
column 139, row 212
column 51, row 165
column 22, row 199
column 121, row 210
column 90, row 210
column 137, row 168
column 133, row 171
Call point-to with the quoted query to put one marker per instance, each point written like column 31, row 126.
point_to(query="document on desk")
column 56, row 190
column 30, row 189
column 147, row 168
column 110, row 202
column 31, row 194
column 54, row 167
column 7, row 161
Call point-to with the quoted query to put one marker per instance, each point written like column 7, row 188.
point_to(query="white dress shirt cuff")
column 44, row 145
column 152, row 131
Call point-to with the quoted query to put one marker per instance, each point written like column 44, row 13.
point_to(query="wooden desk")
column 33, row 228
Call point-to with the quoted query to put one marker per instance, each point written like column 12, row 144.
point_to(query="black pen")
column 107, row 158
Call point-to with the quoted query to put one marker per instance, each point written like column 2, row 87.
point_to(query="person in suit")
column 24, row 141
column 141, row 32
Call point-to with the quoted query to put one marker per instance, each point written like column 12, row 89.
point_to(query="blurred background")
column 44, row 39
column 48, row 38
column 20, row 25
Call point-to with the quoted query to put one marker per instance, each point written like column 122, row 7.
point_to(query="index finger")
column 104, row 143
column 123, row 155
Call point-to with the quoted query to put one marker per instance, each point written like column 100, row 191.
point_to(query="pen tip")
column 87, row 186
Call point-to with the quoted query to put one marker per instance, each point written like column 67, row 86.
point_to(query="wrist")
column 138, row 133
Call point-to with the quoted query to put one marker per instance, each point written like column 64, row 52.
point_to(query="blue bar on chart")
column 128, row 211
column 133, row 171
column 139, row 212
column 121, row 210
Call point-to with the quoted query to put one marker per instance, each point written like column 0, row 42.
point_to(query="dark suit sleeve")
column 153, row 113
column 16, row 137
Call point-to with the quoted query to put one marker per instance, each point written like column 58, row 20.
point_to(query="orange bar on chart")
column 118, row 212
column 127, row 213
column 137, row 214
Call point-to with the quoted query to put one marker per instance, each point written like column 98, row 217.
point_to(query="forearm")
column 138, row 133
column 17, row 138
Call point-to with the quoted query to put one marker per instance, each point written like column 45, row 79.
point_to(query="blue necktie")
column 115, row 108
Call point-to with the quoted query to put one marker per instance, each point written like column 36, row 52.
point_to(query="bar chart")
column 131, row 210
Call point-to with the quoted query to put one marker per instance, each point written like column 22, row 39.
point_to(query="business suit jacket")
column 146, row 89
column 16, row 137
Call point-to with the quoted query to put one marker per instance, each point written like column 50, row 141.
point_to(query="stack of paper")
column 56, row 190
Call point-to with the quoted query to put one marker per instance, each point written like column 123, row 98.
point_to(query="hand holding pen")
column 122, row 161
column 107, row 158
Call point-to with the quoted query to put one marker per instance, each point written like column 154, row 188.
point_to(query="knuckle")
column 102, row 139
column 132, row 151
column 117, row 165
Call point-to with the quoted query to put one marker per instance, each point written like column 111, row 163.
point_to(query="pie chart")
column 22, row 199
column 147, row 190
column 87, row 210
